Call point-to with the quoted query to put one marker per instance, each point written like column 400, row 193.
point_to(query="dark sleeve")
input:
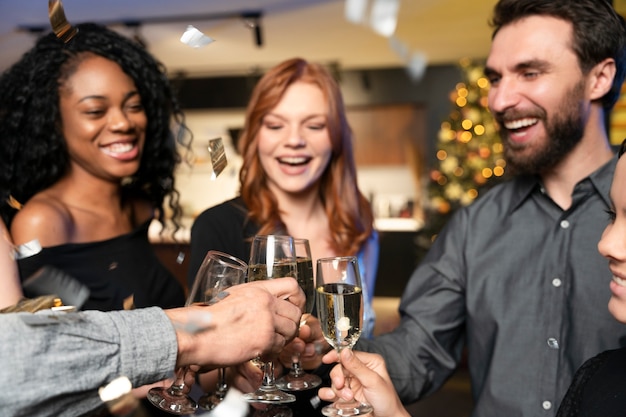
column 29, row 265
column 224, row 228
column 425, row 348
column 570, row 406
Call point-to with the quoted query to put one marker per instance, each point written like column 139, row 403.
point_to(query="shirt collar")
column 600, row 178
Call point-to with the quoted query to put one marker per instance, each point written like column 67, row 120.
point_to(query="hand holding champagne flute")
column 271, row 256
column 217, row 272
column 340, row 312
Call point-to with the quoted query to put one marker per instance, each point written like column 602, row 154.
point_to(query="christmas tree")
column 469, row 151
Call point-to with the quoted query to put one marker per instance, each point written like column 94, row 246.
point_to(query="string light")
column 466, row 163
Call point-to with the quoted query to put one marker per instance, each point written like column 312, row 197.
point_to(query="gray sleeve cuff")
column 148, row 347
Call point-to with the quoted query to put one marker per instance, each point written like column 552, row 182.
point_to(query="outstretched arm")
column 74, row 354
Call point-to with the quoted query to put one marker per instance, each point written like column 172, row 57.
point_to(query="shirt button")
column 564, row 224
column 556, row 282
column 553, row 343
column 546, row 405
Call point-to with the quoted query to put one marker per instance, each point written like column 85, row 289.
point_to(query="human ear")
column 601, row 78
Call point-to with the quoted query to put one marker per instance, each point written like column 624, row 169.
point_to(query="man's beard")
column 563, row 133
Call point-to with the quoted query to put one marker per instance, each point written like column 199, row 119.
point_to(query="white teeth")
column 116, row 148
column 518, row 124
column 293, row 160
column 619, row 281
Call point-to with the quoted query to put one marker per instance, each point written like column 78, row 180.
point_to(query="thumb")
column 350, row 361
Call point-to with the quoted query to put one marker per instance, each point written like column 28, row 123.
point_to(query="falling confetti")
column 194, row 38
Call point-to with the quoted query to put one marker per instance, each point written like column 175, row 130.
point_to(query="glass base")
column 210, row 401
column 352, row 408
column 269, row 395
column 173, row 403
column 302, row 382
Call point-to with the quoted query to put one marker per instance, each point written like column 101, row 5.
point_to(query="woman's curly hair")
column 349, row 213
column 34, row 154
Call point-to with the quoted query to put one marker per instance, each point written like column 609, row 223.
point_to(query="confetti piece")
column 194, row 38
column 218, row 156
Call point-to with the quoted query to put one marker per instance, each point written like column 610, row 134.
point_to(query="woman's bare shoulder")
column 43, row 218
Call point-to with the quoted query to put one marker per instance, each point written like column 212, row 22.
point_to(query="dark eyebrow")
column 128, row 95
column 521, row 67
column 533, row 63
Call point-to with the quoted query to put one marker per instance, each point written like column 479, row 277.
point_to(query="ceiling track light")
column 252, row 20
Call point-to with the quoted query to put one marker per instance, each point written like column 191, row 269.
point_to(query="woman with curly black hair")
column 88, row 152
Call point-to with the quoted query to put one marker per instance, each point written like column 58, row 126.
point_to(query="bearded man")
column 516, row 276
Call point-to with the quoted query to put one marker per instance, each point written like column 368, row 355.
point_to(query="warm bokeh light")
column 465, row 136
column 469, row 152
column 484, row 152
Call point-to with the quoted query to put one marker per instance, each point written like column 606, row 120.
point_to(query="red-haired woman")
column 298, row 177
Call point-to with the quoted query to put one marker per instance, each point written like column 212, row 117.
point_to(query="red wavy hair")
column 350, row 216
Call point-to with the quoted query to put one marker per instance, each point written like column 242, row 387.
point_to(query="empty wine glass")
column 340, row 312
column 218, row 271
column 271, row 256
column 224, row 273
column 298, row 379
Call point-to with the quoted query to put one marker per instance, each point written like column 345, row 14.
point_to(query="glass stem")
column 178, row 386
column 222, row 386
column 346, row 404
column 268, row 375
column 296, row 368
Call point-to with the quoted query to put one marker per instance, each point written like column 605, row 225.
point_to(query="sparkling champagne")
column 279, row 269
column 340, row 313
column 305, row 280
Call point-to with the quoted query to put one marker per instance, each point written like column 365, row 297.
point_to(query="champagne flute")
column 298, row 379
column 218, row 271
column 340, row 311
column 222, row 271
column 271, row 256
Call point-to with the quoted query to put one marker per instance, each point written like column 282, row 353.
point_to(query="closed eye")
column 611, row 215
